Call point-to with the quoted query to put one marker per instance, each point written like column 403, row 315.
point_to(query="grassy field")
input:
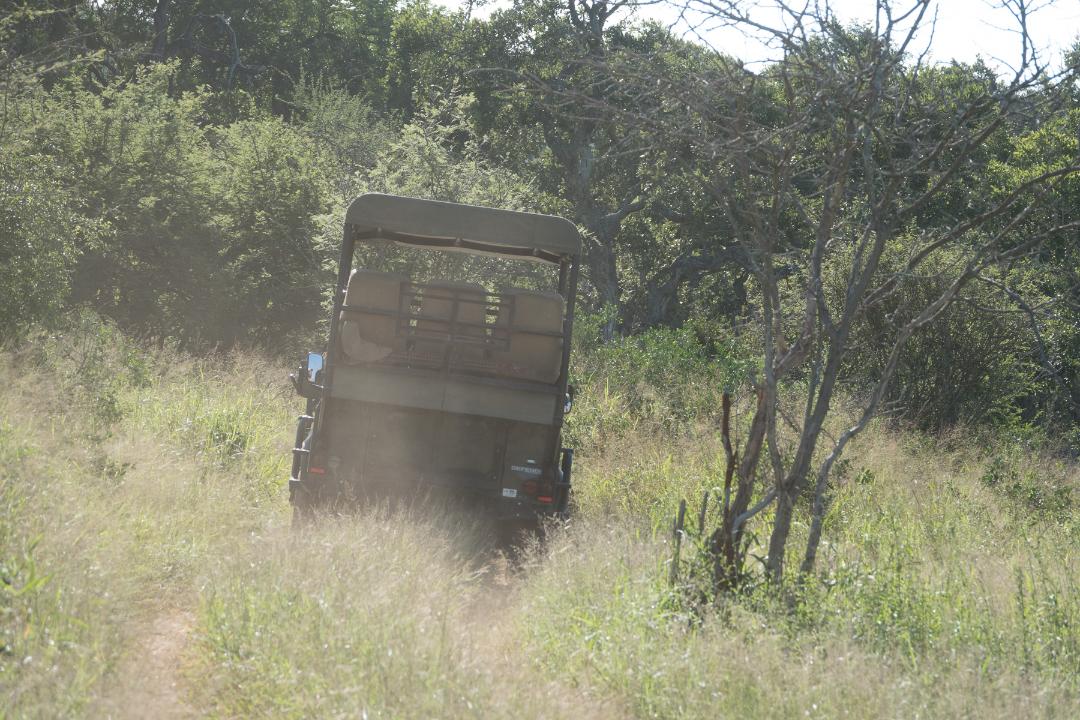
column 144, row 533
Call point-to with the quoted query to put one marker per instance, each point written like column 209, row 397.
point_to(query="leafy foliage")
column 43, row 238
column 183, row 169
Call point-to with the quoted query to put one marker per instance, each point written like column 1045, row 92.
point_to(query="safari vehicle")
column 439, row 384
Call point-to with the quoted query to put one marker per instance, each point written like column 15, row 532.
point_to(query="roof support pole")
column 570, row 295
column 348, row 245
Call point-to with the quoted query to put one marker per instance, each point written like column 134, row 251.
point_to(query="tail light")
column 545, row 492
column 540, row 490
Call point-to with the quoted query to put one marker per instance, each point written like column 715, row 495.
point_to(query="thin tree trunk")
column 161, row 30
column 817, row 520
column 604, row 274
column 785, row 509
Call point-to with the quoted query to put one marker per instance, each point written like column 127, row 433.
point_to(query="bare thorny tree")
column 596, row 156
column 835, row 165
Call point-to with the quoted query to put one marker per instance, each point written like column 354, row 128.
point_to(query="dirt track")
column 150, row 678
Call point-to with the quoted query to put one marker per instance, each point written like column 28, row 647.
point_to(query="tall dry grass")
column 137, row 481
column 939, row 595
column 103, row 519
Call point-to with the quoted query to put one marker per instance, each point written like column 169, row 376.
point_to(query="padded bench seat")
column 535, row 323
column 528, row 326
column 369, row 337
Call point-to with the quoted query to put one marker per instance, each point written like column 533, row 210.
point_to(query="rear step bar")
column 300, row 453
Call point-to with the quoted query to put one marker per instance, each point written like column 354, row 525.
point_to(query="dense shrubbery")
column 201, row 232
column 665, row 380
column 42, row 237
column 189, row 203
column 973, row 365
column 146, row 205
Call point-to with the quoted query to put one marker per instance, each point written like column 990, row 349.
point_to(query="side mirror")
column 569, row 400
column 305, row 380
column 314, row 367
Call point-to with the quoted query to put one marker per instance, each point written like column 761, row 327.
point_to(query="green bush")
column 95, row 363
column 270, row 184
column 663, row 378
column 42, row 237
column 184, row 229
column 137, row 162
column 968, row 366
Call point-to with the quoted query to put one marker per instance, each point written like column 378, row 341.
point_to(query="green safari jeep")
column 438, row 384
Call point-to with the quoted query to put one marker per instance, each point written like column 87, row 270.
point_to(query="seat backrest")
column 437, row 307
column 535, row 321
column 371, row 336
column 434, row 327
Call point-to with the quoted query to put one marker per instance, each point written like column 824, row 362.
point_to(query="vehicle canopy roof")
column 463, row 228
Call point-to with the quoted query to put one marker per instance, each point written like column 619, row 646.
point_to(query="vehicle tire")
column 303, row 510
column 300, row 519
column 515, row 535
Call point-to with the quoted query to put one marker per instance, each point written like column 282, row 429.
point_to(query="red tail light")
column 546, row 493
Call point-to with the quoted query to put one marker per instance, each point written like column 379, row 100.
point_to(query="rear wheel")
column 515, row 535
column 300, row 518
column 303, row 509
column 310, row 499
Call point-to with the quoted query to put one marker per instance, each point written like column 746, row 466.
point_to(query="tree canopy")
column 182, row 168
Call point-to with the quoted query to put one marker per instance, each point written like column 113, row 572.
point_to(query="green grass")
column 936, row 599
column 134, row 481
column 104, row 518
column 354, row 618
column 234, row 417
column 59, row 594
